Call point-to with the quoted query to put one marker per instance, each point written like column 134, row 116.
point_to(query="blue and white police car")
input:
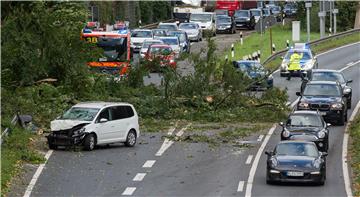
column 307, row 62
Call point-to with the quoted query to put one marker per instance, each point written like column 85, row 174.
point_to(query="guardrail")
column 314, row 43
column 7, row 130
column 154, row 25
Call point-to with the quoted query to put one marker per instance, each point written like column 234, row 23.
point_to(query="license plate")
column 102, row 59
column 323, row 113
column 295, row 173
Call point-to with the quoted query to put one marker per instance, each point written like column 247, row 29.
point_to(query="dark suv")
column 330, row 75
column 326, row 97
column 244, row 18
column 306, row 125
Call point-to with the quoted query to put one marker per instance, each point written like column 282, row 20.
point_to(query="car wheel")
column 131, row 139
column 346, row 114
column 52, row 146
column 349, row 104
column 341, row 122
column 89, row 142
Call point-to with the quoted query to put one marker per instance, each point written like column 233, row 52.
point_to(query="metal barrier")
column 7, row 130
column 314, row 43
column 154, row 25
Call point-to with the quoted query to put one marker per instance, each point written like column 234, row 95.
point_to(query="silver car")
column 193, row 31
column 173, row 42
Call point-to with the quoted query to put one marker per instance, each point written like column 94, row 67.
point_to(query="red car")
column 162, row 51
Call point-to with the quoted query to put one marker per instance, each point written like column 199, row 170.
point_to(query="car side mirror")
column 328, row 124
column 281, row 124
column 102, row 120
column 298, row 94
column 269, row 153
column 349, row 81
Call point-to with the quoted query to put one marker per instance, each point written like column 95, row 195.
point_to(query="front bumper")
column 64, row 140
column 193, row 37
column 283, row 177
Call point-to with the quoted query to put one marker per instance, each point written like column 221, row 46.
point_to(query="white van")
column 206, row 21
column 95, row 123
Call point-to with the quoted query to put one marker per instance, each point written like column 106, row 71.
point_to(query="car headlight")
column 286, row 133
column 80, row 131
column 308, row 65
column 303, row 105
column 336, row 106
column 228, row 26
column 347, row 90
column 248, row 19
column 274, row 162
column 316, row 163
column 321, row 134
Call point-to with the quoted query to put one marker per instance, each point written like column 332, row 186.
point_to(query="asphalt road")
column 191, row 169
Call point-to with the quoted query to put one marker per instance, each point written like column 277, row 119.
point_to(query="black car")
column 290, row 9
column 308, row 126
column 244, row 18
column 225, row 24
column 296, row 161
column 326, row 97
column 330, row 75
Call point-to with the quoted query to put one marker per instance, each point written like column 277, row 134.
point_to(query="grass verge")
column 16, row 149
column 355, row 154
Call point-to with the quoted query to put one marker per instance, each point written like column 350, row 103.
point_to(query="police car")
column 307, row 62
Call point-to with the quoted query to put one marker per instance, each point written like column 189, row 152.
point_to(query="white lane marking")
column 337, row 48
column 256, row 161
column 167, row 143
column 345, row 154
column 248, row 160
column 295, row 102
column 181, row 132
column 129, row 191
column 171, row 130
column 350, row 65
column 149, row 163
column 139, row 177
column 241, row 186
column 260, row 138
column 35, row 177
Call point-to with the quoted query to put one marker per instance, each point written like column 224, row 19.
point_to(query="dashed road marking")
column 241, row 186
column 139, row 177
column 129, row 191
column 149, row 163
column 260, row 138
column 37, row 175
column 249, row 159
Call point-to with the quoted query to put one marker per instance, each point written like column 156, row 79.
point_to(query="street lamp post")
column 308, row 6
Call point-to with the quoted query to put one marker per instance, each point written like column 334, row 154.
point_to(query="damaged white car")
column 95, row 123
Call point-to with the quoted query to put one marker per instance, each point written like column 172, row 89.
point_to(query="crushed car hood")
column 57, row 125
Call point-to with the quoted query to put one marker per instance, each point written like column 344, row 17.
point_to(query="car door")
column 104, row 130
column 121, row 121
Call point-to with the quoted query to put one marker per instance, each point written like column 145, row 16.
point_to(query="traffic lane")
column 95, row 173
column 334, row 185
column 337, row 60
column 195, row 169
column 327, row 60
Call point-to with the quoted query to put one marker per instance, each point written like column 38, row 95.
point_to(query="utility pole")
column 271, row 44
column 308, row 6
column 335, row 11
column 331, row 20
column 322, row 15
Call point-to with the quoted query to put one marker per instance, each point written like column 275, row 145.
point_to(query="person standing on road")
column 294, row 65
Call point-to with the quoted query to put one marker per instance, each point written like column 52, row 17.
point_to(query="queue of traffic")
column 324, row 99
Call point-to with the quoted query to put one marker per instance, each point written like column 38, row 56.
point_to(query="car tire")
column 52, row 146
column 349, row 104
column 346, row 115
column 131, row 139
column 341, row 122
column 89, row 142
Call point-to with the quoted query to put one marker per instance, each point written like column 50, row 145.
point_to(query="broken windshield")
column 80, row 113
